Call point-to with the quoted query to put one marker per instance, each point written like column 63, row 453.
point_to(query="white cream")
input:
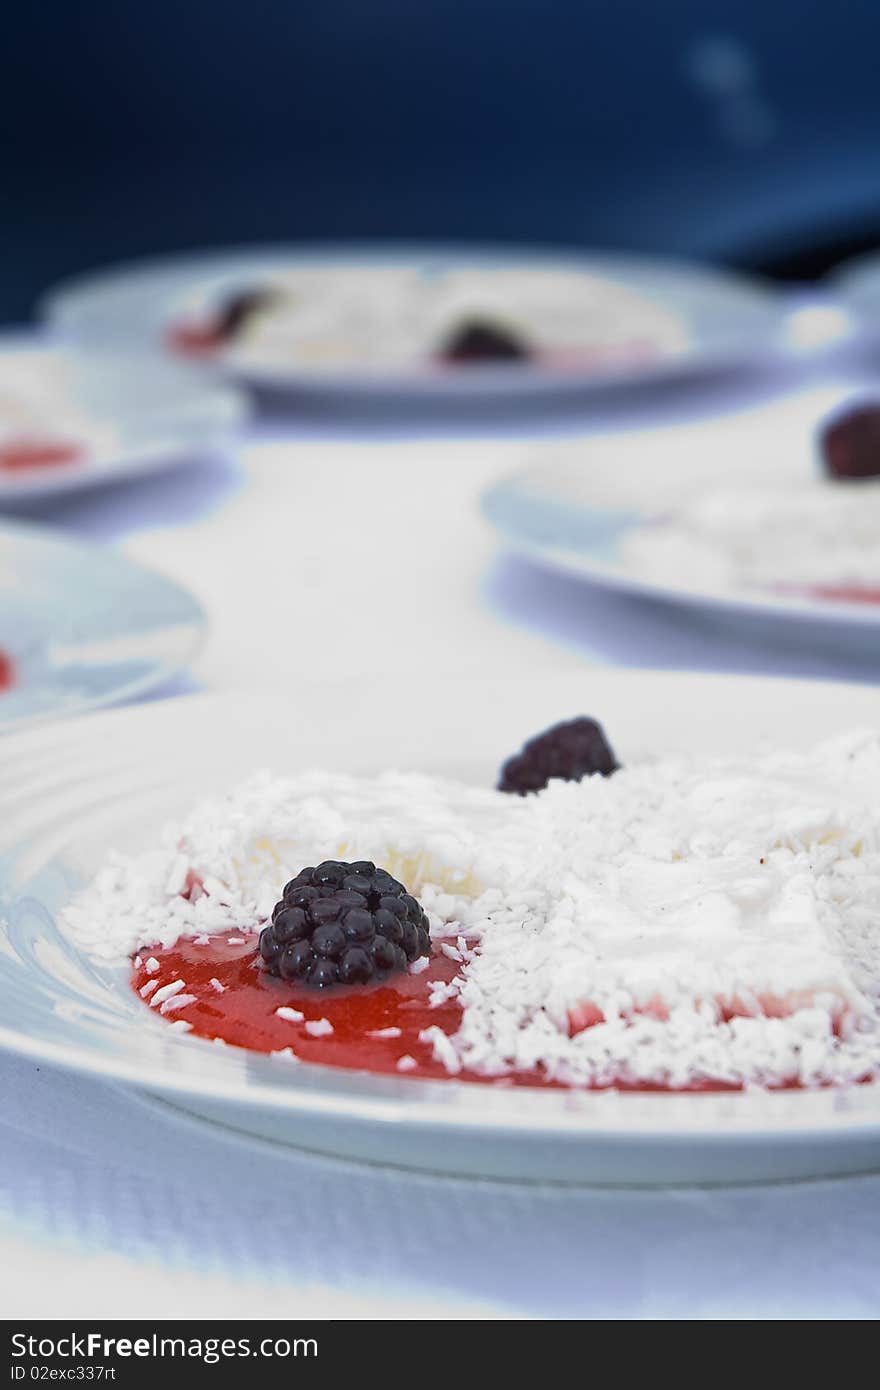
column 811, row 532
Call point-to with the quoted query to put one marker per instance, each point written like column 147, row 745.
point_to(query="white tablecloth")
column 339, row 546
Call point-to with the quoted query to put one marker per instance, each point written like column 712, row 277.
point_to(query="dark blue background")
column 744, row 131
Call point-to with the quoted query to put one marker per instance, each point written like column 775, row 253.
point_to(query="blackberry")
column 571, row 751
column 236, row 309
column 480, row 340
column 346, row 924
column 850, row 444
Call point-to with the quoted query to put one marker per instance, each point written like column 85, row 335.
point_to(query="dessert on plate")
column 42, row 422
column 682, row 923
column 420, row 318
column 815, row 535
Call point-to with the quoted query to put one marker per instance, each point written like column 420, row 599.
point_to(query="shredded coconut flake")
column 179, row 1001
column 166, row 991
column 804, row 531
column 385, row 1033
column 290, row 1015
column 406, row 1063
column 444, row 1050
column 319, row 1027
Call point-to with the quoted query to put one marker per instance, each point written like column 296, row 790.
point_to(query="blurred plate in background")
column 72, row 421
column 373, row 319
column 734, row 516
column 82, row 627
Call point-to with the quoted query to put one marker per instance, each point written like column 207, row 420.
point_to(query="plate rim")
column 28, row 485
column 197, row 622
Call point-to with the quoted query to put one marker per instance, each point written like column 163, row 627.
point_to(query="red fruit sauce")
column 244, row 1012
column 849, row 593
column 22, row 454
column 194, row 339
column 7, row 671
column 839, row 593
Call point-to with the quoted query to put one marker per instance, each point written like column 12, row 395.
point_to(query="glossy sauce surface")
column 244, row 1013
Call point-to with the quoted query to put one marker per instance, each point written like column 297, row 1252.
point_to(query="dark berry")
column 389, row 924
column 383, row 953
column 358, row 924
column 237, row 308
column 328, row 940
column 324, row 910
column 570, row 751
column 355, row 967
column 850, row 444
column 340, row 923
column 300, row 895
column 330, row 872
column 293, row 962
column 357, row 883
column 480, row 340
column 323, row 974
column 291, row 924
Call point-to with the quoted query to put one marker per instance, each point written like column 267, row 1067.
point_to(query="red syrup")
column 194, row 339
column 7, row 671
column 848, row 593
column 23, row 454
column 835, row 593
column 244, row 1013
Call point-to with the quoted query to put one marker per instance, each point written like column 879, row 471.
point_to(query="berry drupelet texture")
column 343, row 924
column 850, row 444
column 479, row 340
column 569, row 751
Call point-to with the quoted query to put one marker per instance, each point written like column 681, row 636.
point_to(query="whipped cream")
column 812, row 533
column 686, row 920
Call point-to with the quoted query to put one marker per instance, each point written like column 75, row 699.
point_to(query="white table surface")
column 329, row 545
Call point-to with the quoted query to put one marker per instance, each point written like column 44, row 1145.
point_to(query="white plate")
column 573, row 512
column 127, row 418
column 83, row 626
column 727, row 318
column 67, row 793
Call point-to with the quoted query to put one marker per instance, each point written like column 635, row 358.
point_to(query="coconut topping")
column 814, row 533
column 688, row 919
